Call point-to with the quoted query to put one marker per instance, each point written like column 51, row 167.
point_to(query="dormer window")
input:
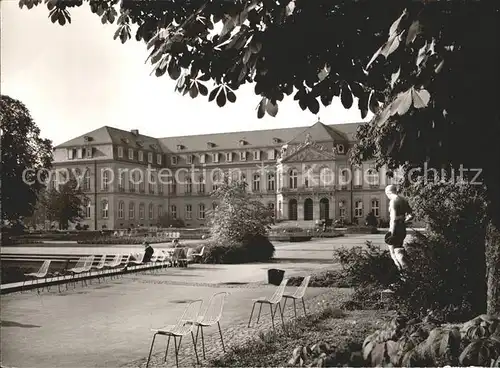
column 340, row 148
column 158, row 158
column 276, row 140
column 256, row 155
column 243, row 156
column 210, row 144
column 272, row 154
column 130, row 154
column 71, row 154
column 203, row 158
column 150, row 157
column 189, row 159
column 120, row 152
column 88, row 152
column 79, row 153
column 141, row 156
column 173, row 160
column 229, row 156
column 215, row 157
column 243, row 142
column 180, row 147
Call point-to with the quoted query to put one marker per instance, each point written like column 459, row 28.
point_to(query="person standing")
column 148, row 252
column 400, row 213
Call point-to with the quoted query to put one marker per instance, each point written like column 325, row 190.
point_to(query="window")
column 229, row 156
column 202, row 158
column 150, row 157
column 201, row 211
column 357, row 177
column 130, row 154
column 342, row 209
column 344, row 177
column 215, row 157
column 189, row 186
column 104, row 209
column 131, row 182
column 376, row 207
column 270, row 181
column 189, row 159
column 325, row 177
column 307, row 177
column 131, row 210
column 160, row 211
column 141, row 211
column 173, row 187
column 151, row 211
column 105, row 180
column 173, row 211
column 216, row 180
column 86, row 179
column 88, row 152
column 189, row 210
column 293, row 178
column 160, row 188
column 243, row 156
column 79, row 153
column 270, row 205
column 120, row 152
column 71, row 154
column 121, row 182
column 88, row 209
column 256, row 155
column 271, row 154
column 158, row 158
column 279, row 208
column 121, row 209
column 173, row 160
column 256, row 183
column 372, row 177
column 358, row 209
column 151, row 184
column 340, row 148
column 201, row 185
column 142, row 184
column 141, row 156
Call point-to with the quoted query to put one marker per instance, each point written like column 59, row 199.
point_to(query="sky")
column 76, row 78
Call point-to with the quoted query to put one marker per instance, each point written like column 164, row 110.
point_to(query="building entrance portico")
column 324, row 209
column 308, row 209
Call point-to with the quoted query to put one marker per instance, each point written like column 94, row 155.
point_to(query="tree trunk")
column 493, row 268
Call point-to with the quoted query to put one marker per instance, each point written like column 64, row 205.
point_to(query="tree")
column 65, row 204
column 237, row 216
column 26, row 158
column 427, row 81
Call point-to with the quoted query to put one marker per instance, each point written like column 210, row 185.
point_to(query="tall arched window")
column 141, row 211
column 105, row 180
column 376, row 207
column 358, row 177
column 256, row 183
column 358, row 209
column 342, row 210
column 293, row 178
column 142, row 182
column 216, row 179
column 121, row 209
column 121, row 182
column 104, row 209
column 131, row 210
column 131, row 181
column 151, row 211
column 201, row 211
column 326, row 177
column 270, row 181
column 160, row 211
column 201, row 184
column 173, row 211
column 372, row 177
column 86, row 179
column 189, row 185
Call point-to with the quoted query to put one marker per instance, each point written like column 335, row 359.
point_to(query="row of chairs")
column 85, row 266
column 194, row 316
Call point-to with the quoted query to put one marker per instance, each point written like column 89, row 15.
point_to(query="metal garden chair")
column 197, row 256
column 298, row 294
column 100, row 266
column 78, row 269
column 274, row 300
column 115, row 262
column 182, row 328
column 210, row 317
column 40, row 274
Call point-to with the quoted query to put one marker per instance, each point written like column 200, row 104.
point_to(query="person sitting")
column 148, row 252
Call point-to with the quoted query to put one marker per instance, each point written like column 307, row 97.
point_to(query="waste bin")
column 275, row 276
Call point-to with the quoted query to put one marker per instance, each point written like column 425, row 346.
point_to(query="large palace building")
column 302, row 174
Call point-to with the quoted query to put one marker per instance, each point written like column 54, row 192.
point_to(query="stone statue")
column 400, row 213
column 308, row 138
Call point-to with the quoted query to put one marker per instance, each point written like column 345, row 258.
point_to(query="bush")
column 253, row 249
column 325, row 279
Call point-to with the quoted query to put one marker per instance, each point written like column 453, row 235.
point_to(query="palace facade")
column 302, row 174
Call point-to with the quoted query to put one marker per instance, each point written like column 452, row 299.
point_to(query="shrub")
column 253, row 249
column 325, row 279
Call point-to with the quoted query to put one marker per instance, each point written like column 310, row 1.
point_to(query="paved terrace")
column 108, row 324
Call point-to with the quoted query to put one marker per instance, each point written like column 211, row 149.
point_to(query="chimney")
column 135, row 132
